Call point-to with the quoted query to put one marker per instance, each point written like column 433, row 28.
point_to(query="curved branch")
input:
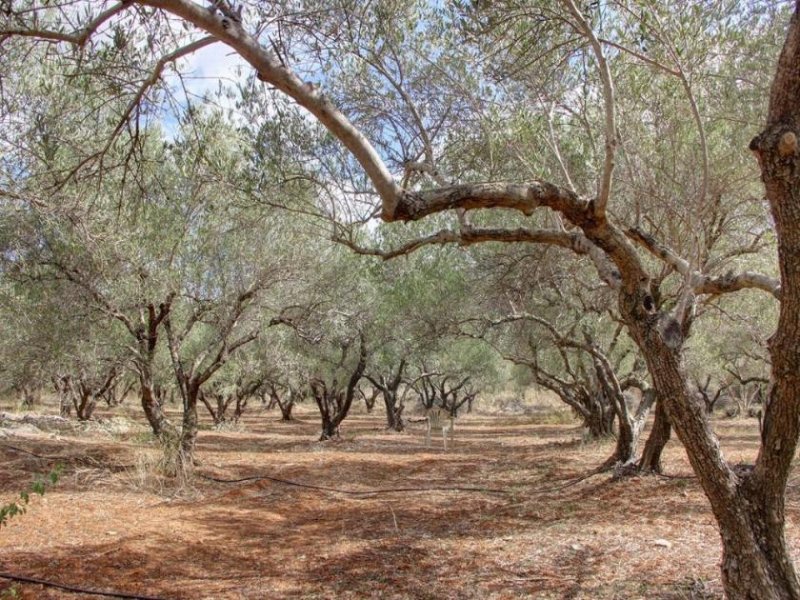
column 154, row 77
column 272, row 71
column 701, row 283
column 78, row 39
column 608, row 106
column 574, row 241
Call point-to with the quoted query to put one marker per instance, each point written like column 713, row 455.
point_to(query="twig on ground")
column 358, row 492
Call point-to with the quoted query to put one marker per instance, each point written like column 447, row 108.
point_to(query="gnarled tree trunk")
column 284, row 402
column 630, row 429
column 755, row 562
column 650, row 462
column 189, row 423
column 369, row 398
column 597, row 415
column 153, row 410
column 333, row 402
column 388, row 387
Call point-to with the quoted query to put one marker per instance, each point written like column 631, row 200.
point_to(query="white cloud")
column 207, row 67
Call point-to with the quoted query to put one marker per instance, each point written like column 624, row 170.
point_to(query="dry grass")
column 113, row 524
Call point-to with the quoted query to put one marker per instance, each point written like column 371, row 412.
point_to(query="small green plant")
column 39, row 486
column 11, row 593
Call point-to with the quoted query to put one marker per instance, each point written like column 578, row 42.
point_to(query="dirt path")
column 515, row 537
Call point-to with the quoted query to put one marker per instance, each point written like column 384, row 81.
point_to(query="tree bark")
column 599, row 426
column 631, row 427
column 597, row 414
column 85, row 403
column 189, row 423
column 650, row 461
column 239, row 408
column 286, row 409
column 755, row 561
column 330, row 430
column 153, row 410
column 394, row 411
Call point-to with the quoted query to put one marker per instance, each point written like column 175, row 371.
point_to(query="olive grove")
column 602, row 152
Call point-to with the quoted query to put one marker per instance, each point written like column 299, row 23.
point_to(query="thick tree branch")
column 272, row 71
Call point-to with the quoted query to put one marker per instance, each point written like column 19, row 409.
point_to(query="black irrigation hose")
column 357, row 492
column 75, row 589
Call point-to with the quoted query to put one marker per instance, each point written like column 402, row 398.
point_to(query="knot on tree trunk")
column 405, row 209
column 776, row 150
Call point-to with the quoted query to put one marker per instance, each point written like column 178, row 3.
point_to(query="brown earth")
column 526, row 528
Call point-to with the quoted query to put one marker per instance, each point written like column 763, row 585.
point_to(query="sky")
column 212, row 63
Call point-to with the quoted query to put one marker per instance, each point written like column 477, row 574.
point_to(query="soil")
column 502, row 514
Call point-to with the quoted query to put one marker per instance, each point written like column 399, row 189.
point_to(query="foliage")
column 40, row 484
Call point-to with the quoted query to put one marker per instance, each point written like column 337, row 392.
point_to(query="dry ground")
column 108, row 525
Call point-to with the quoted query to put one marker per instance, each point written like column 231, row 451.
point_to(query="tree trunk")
column 394, row 411
column 334, row 403
column 222, row 408
column 625, row 449
column 369, row 399
column 656, row 441
column 330, row 429
column 152, row 410
column 755, row 560
column 599, row 421
column 85, row 403
column 217, row 414
column 188, row 436
column 286, row 409
column 241, row 405
column 631, row 427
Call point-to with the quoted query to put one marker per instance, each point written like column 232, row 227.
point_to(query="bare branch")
column 609, row 106
column 574, row 241
column 705, row 284
column 641, row 57
column 78, row 39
